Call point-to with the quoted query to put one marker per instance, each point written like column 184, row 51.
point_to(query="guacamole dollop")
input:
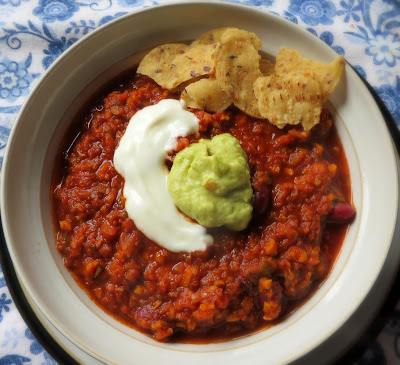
column 210, row 182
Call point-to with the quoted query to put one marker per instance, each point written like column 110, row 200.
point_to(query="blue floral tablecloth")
column 33, row 33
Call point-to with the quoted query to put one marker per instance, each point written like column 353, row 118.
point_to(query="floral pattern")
column 4, row 133
column 14, row 360
column 314, row 12
column 384, row 48
column 328, row 38
column 349, row 10
column 390, row 94
column 380, row 38
column 36, row 348
column 52, row 10
column 130, row 3
column 4, row 305
column 55, row 49
column 12, row 338
column 263, row 3
column 11, row 2
column 15, row 78
column 34, row 33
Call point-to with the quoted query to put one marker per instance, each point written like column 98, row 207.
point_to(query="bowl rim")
column 96, row 32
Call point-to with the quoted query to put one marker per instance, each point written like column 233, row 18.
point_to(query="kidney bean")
column 262, row 199
column 144, row 313
column 341, row 212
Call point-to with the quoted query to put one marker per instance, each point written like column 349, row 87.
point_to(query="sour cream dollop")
column 140, row 159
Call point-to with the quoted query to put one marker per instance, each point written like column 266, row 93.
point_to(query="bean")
column 341, row 212
column 262, row 199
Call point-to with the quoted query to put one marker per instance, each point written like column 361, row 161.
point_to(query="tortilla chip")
column 237, row 67
column 183, row 85
column 291, row 62
column 159, row 64
column 212, row 37
column 289, row 99
column 172, row 64
column 223, row 66
column 267, row 67
column 198, row 60
column 206, row 94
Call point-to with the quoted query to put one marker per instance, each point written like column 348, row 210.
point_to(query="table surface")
column 33, row 33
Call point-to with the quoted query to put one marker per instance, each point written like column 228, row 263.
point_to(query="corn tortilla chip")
column 237, row 67
column 223, row 66
column 267, row 67
column 288, row 99
column 206, row 94
column 184, row 84
column 212, row 37
column 172, row 64
column 291, row 62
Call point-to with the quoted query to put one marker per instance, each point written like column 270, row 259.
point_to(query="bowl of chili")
column 99, row 278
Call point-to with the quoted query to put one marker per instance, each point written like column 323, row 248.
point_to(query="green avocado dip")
column 210, row 182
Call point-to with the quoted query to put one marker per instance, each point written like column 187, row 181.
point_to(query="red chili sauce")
column 245, row 280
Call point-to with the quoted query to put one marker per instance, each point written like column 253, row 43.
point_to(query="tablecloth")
column 33, row 33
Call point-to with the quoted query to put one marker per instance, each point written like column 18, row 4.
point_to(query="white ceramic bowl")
column 90, row 64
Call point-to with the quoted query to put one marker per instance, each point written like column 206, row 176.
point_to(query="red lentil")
column 246, row 279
